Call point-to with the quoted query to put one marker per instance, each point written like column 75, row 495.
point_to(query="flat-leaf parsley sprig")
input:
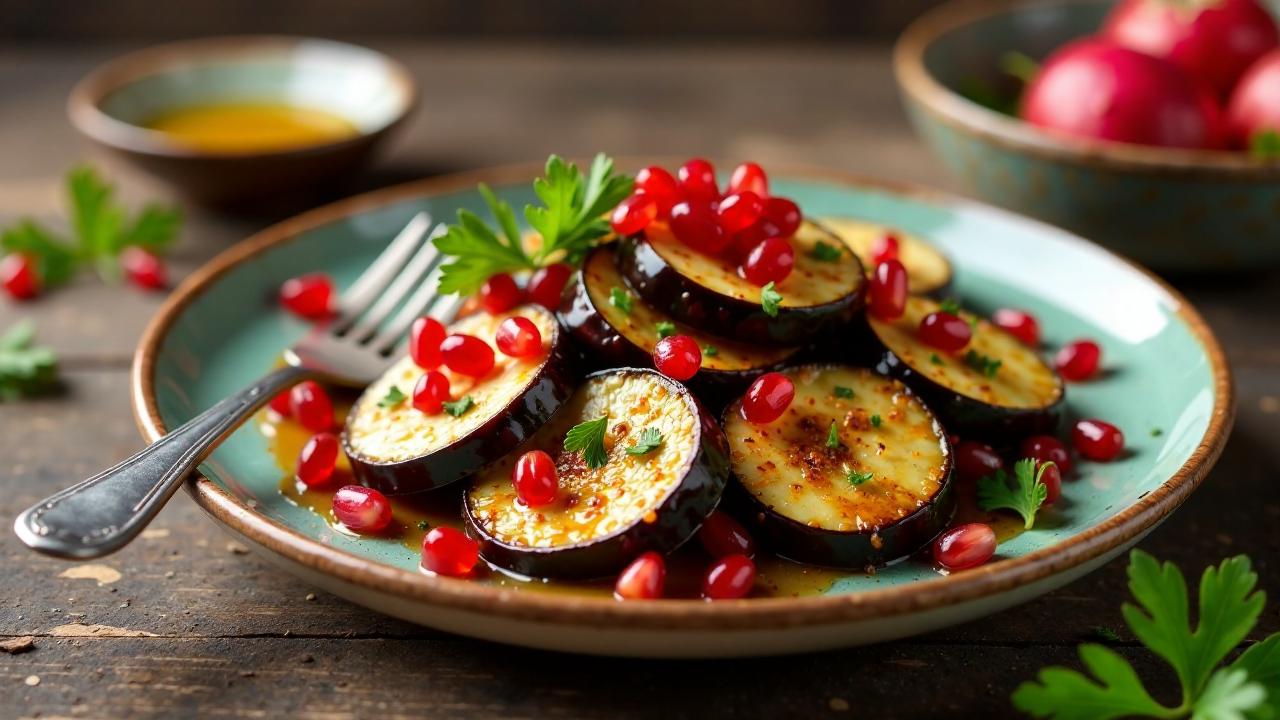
column 1025, row 496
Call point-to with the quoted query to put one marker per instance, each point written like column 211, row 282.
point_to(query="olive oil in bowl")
column 251, row 127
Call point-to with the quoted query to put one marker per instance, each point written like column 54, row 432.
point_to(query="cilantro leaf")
column 1265, row 145
column 823, row 252
column 1025, row 497
column 620, row 299
column 856, row 478
column 770, row 299
column 833, row 437
column 459, row 407
column 648, row 441
column 393, row 397
column 665, row 329
column 843, row 392
column 588, row 437
column 1069, row 695
column 25, row 369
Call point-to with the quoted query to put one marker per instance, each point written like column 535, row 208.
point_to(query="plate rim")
column 754, row 614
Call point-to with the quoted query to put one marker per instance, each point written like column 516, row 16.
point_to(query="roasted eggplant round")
column 856, row 472
column 997, row 389
column 821, row 293
column 604, row 516
column 397, row 449
column 928, row 270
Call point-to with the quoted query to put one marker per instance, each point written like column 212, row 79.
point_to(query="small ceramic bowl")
column 1180, row 211
column 372, row 91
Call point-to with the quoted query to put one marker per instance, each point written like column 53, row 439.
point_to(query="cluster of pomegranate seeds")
column 678, row 357
column 696, row 225
column 446, row 551
column 965, row 546
column 1047, row 448
column 643, row 579
column 1078, row 360
column 467, row 355
column 767, row 398
column 430, row 393
column 945, row 331
column 1019, row 324
column 310, row 405
column 887, row 294
column 975, row 460
column 729, row 578
column 144, row 269
column 500, row 293
column 362, row 510
column 309, row 296
column 18, row 276
column 546, row 285
column 317, row 460
column 885, row 248
column 660, row 185
column 1097, row 440
column 633, row 214
column 425, row 336
column 722, row 536
column 518, row 337
column 738, row 211
column 534, row 478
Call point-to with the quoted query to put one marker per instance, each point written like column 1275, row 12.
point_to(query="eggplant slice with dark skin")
column 975, row 398
column 928, row 270
column 398, row 450
column 602, row 518
column 856, row 473
column 822, row 293
column 622, row 332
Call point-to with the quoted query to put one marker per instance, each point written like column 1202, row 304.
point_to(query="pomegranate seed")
column 965, row 546
column 744, row 241
column 467, row 354
column 944, row 331
column 783, row 213
column 311, row 406
column 499, row 294
column 698, row 180
column 885, row 248
column 887, row 295
column 446, row 551
column 633, row 214
column 431, row 392
column 143, row 269
column 1047, row 448
column 308, row 296
column 425, row 336
column 767, row 398
column 518, row 337
column 18, row 276
column 659, row 185
column 975, row 460
column 678, row 357
column 280, row 405
column 1052, row 479
column 361, row 509
column 739, row 211
column 749, row 177
column 721, row 535
column 534, row 478
column 643, row 579
column 546, row 286
column 1019, row 324
column 698, row 228
column 1078, row 360
column 317, row 460
column 1097, row 440
column 770, row 261
column 729, row 578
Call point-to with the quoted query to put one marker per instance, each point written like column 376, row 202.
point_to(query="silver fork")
column 102, row 514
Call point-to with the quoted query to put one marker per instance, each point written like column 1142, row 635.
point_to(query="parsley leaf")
column 833, row 438
column 770, row 299
column 393, row 397
column 875, row 421
column 986, row 365
column 589, row 438
column 648, row 441
column 1265, row 145
column 823, row 252
column 710, row 350
column 620, row 299
column 1156, row 432
column 843, row 392
column 950, row 306
column 477, row 252
column 665, row 329
column 856, row 478
column 25, row 369
column 933, row 358
column 1025, row 497
column 459, row 407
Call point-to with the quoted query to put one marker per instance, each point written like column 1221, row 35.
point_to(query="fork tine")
column 444, row 309
column 410, row 279
column 366, row 289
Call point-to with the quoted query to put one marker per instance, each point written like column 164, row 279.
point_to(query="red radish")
column 317, row 460
column 311, row 406
column 721, row 535
column 633, row 214
column 546, row 285
column 678, row 357
column 518, row 337
column 783, row 213
column 696, row 226
column 698, row 180
column 1019, row 324
column 975, row 460
column 1094, row 89
column 945, row 331
column 363, row 510
column 1255, row 105
column 280, row 405
column 767, row 398
column 739, row 211
column 729, row 578
column 143, row 269
column 430, row 393
column 965, row 546
column 887, row 292
column 770, row 261
column 1097, row 440
column 1052, row 479
column 658, row 184
column 18, row 276
column 446, row 551
column 1047, row 448
column 425, row 336
column 1213, row 42
column 1078, row 360
column 643, row 579
column 467, row 355
column 749, row 177
column 534, row 478
column 885, row 248
column 499, row 294
column 308, row 296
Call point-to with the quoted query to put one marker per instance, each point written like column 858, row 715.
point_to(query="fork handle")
column 100, row 515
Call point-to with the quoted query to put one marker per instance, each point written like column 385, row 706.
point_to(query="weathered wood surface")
column 193, row 625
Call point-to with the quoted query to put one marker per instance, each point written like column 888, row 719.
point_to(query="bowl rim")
column 754, row 614
column 957, row 111
column 86, row 114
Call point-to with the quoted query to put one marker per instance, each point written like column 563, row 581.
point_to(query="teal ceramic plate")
column 1165, row 371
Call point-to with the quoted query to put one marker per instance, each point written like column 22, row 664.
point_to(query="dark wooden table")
column 185, row 622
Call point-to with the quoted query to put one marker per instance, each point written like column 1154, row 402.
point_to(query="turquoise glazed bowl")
column 1164, row 371
column 1178, row 211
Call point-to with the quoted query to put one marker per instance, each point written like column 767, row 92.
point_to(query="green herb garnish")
column 856, row 478
column 393, row 398
column 459, row 407
column 1156, row 432
column 25, row 368
column 1024, row 497
column 1265, row 145
column 949, row 306
column 833, row 438
column 648, row 440
column 588, row 437
column 770, row 299
column 843, row 392
column 986, row 365
column 823, row 252
column 424, row 525
column 1019, row 65
column 620, row 299
column 875, row 421
column 933, row 358
column 665, row 329
column 1106, row 633
column 710, row 350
